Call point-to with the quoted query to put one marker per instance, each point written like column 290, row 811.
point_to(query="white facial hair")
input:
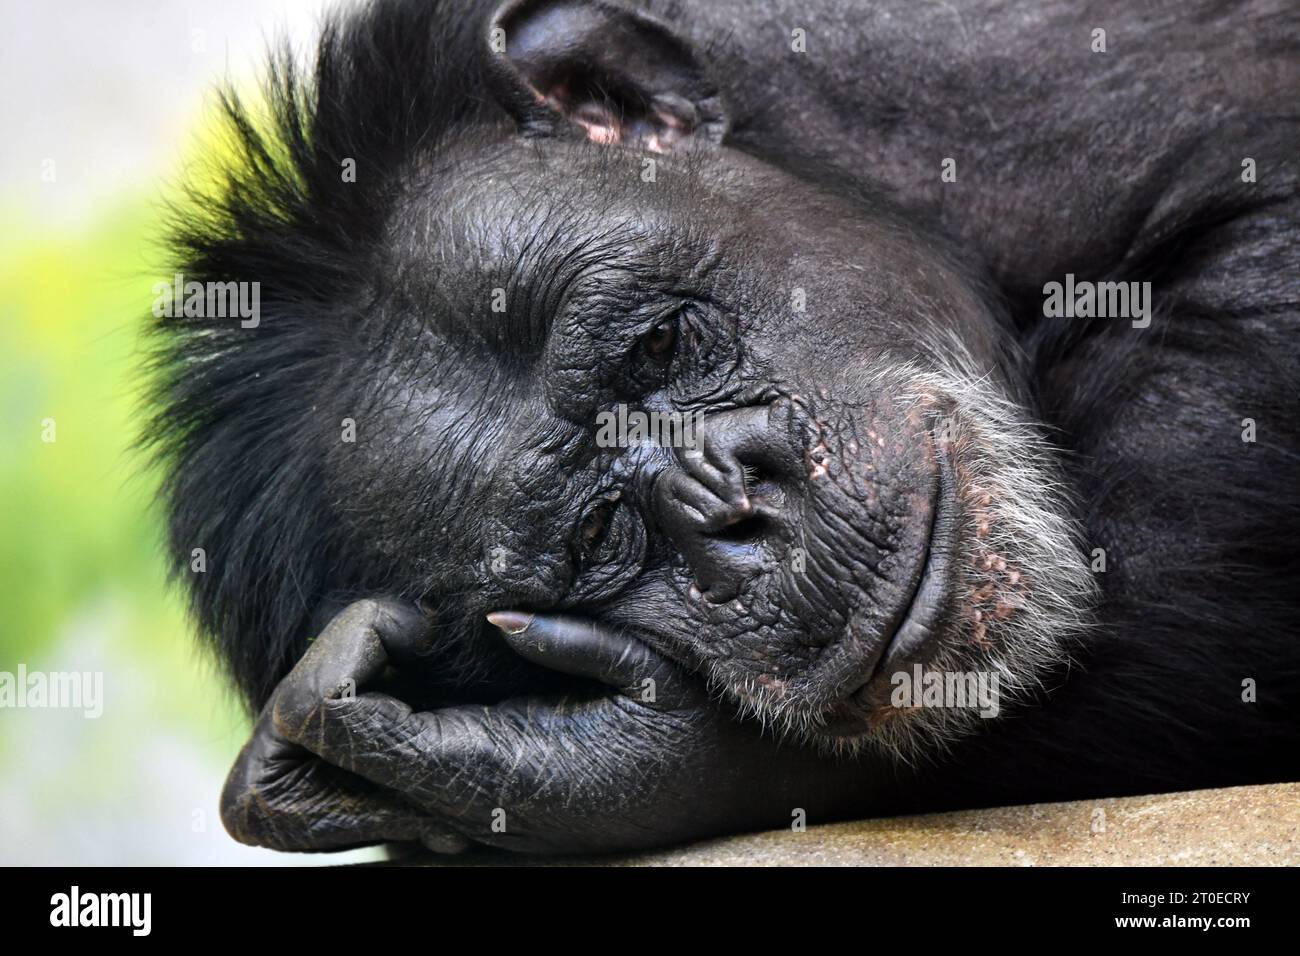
column 1025, row 592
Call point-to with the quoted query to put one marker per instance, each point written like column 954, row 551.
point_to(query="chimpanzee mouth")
column 922, row 624
column 986, row 575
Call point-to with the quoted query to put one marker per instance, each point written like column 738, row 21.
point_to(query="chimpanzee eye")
column 660, row 342
column 593, row 529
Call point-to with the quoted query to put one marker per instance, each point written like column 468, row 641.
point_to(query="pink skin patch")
column 602, row 126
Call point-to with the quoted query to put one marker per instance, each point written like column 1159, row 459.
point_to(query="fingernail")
column 512, row 622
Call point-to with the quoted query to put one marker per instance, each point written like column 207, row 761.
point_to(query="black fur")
column 242, row 449
column 1200, row 528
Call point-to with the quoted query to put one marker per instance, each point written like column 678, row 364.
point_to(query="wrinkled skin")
column 854, row 487
column 898, row 462
column 327, row 770
column 795, row 450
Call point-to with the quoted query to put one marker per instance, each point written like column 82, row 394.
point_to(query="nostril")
column 766, row 479
column 744, row 530
column 716, row 593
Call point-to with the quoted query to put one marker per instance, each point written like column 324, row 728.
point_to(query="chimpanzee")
column 983, row 318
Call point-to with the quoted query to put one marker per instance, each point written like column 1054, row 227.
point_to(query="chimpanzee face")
column 857, row 496
column 845, row 490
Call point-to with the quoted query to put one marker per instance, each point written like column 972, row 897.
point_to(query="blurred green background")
column 101, row 108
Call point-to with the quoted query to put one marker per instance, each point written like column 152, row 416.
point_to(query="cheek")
column 404, row 478
column 382, row 499
column 523, row 532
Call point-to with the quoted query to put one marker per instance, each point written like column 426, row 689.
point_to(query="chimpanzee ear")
column 613, row 74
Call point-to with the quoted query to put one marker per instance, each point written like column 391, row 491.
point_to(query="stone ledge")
column 1239, row 826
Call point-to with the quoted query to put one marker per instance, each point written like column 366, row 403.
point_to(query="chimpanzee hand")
column 332, row 764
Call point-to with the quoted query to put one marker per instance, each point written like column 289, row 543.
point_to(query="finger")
column 282, row 797
column 584, row 648
column 384, row 740
column 504, row 775
column 355, row 648
column 458, row 763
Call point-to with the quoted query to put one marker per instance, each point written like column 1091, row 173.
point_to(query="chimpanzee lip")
column 921, row 624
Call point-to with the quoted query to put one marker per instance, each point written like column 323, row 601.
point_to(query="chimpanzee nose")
column 723, row 503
